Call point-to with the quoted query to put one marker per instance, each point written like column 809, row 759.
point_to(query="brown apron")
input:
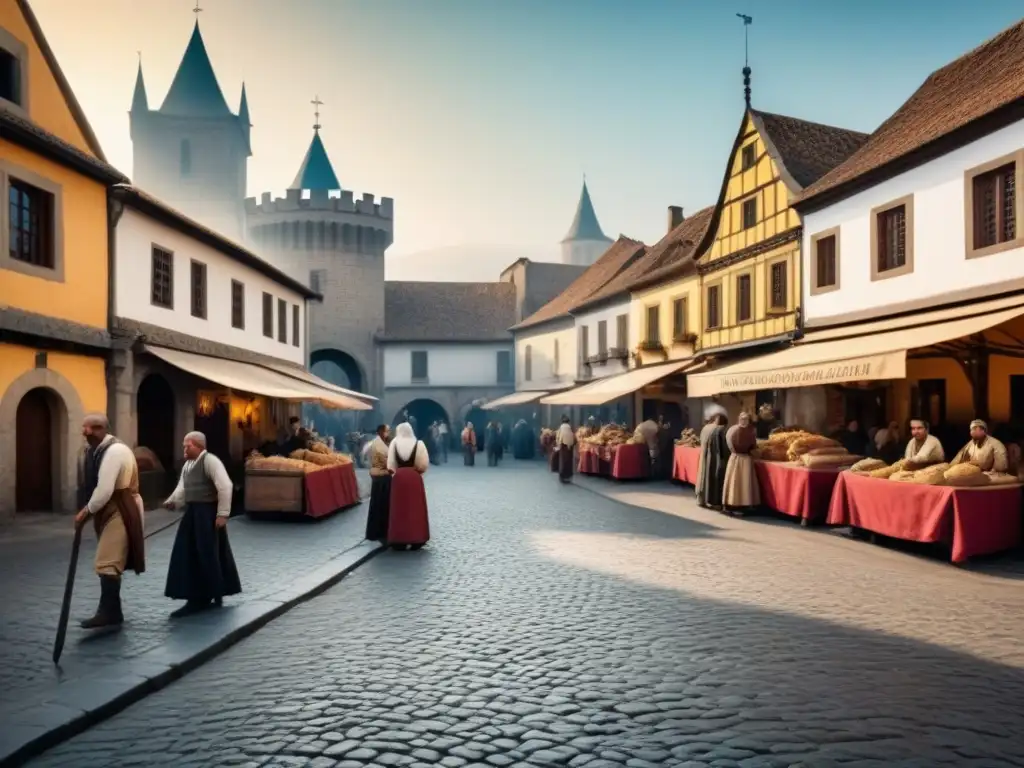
column 122, row 502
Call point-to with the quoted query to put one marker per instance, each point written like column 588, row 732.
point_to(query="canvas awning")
column 613, row 387
column 516, row 398
column 869, row 351
column 247, row 377
column 312, row 378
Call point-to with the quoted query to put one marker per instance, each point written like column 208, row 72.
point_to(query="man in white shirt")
column 109, row 493
column 202, row 569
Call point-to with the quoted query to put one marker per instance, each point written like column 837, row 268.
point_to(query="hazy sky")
column 480, row 116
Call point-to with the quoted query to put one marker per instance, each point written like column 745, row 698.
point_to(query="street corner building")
column 54, row 277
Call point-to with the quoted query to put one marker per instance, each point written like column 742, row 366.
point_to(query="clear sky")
column 481, row 116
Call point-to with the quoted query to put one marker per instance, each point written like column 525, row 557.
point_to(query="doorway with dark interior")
column 36, row 424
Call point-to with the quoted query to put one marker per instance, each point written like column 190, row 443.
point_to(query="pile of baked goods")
column 320, row 458
column 689, row 438
column 257, row 461
column 810, row 450
column 609, row 434
column 956, row 475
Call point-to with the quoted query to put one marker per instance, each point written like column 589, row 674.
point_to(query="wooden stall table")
column 972, row 521
column 685, row 463
column 314, row 494
column 794, row 490
column 631, row 461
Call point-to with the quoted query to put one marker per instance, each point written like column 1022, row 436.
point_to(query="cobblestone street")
column 550, row 625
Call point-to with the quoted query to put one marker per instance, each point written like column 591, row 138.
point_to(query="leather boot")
column 108, row 614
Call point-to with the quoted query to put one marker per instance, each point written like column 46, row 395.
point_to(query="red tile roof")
column 676, row 252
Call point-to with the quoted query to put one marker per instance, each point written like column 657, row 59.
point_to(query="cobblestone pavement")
column 550, row 626
column 33, row 566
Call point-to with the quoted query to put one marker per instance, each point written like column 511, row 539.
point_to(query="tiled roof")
column 622, row 253
column 416, row 311
column 673, row 253
column 975, row 85
column 316, row 171
column 806, row 150
column 20, row 130
column 195, row 92
column 584, row 224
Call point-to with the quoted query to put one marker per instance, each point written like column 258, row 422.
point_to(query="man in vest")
column 109, row 493
column 202, row 569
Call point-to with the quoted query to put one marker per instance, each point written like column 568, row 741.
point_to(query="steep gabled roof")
column 195, row 92
column 622, row 253
column 980, row 84
column 448, row 312
column 62, row 82
column 584, row 224
column 675, row 253
column 316, row 171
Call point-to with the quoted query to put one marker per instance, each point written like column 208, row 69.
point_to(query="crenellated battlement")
column 319, row 201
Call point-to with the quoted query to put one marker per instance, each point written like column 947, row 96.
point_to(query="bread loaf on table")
column 902, row 476
column 962, row 470
column 827, row 461
column 884, row 473
column 868, row 465
column 928, row 477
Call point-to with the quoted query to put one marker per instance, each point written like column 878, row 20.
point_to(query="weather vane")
column 747, row 21
column 197, row 10
column 316, row 111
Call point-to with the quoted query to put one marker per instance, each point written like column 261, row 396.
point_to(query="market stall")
column 313, row 483
column 631, row 461
column 932, row 506
column 686, row 457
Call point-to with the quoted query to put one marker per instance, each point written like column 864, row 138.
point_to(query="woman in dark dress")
column 408, row 522
column 565, row 440
column 380, row 487
column 469, row 445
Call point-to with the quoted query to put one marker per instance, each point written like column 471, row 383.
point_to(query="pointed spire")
column 584, row 224
column 195, row 91
column 139, row 101
column 243, row 110
column 316, row 171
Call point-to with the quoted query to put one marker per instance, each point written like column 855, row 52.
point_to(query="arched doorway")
column 422, row 413
column 155, row 409
column 36, row 423
column 343, row 370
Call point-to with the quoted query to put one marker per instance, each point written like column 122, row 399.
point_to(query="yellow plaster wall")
column 664, row 296
column 46, row 105
column 86, row 374
column 82, row 296
column 774, row 217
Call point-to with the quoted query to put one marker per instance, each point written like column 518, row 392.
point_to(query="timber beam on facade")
column 32, row 330
column 790, row 235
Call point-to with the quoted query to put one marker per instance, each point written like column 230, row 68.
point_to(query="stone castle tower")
column 192, row 153
column 585, row 242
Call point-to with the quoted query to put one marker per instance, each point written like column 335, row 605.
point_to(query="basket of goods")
column 689, row 438
column 262, row 463
column 966, row 476
column 866, row 466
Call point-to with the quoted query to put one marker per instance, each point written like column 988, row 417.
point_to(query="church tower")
column 192, row 151
column 322, row 233
column 585, row 242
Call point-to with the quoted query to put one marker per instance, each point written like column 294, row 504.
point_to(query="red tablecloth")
column 796, row 491
column 685, row 461
column 331, row 489
column 974, row 521
column 631, row 461
column 591, row 461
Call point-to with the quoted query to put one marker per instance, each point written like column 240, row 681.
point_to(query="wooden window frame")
column 743, row 213
column 412, row 366
column 153, row 248
column 509, row 377
column 198, row 311
column 648, row 338
column 296, row 323
column 718, row 284
column 282, row 321
column 750, row 148
column 19, row 51
column 969, row 176
column 55, row 273
column 268, row 316
column 622, row 331
column 528, row 362
column 684, row 301
column 907, row 201
column 584, row 342
column 814, row 289
column 748, row 273
column 241, row 304
column 769, row 308
column 602, row 338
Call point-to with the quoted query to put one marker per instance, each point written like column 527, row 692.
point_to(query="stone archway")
column 65, row 413
column 422, row 412
column 156, row 413
column 344, row 370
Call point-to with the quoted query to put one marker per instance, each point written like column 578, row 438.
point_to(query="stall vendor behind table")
column 923, row 449
column 647, row 432
column 984, row 451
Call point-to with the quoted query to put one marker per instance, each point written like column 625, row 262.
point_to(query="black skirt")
column 202, row 565
column 380, row 504
column 565, row 463
column 469, row 457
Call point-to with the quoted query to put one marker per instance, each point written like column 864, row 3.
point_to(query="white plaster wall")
column 940, row 263
column 609, row 313
column 448, row 365
column 135, row 236
column 541, row 341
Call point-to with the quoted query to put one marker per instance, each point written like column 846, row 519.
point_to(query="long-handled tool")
column 65, row 608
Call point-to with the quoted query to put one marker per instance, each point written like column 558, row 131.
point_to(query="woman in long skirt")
column 741, row 492
column 380, row 487
column 564, row 442
column 408, row 521
column 469, row 445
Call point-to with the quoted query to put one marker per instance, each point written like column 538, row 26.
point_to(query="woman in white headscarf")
column 408, row 523
column 741, row 491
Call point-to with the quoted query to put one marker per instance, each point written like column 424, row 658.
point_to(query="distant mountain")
column 461, row 263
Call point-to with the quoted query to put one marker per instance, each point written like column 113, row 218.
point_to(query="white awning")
column 871, row 351
column 246, row 377
column 613, row 387
column 311, row 378
column 516, row 398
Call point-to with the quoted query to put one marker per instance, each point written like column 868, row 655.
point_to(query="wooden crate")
column 267, row 491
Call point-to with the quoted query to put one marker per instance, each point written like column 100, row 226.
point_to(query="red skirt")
column 408, row 522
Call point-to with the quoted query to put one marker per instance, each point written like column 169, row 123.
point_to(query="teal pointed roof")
column 139, row 101
column 316, row 171
column 194, row 91
column 584, row 224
